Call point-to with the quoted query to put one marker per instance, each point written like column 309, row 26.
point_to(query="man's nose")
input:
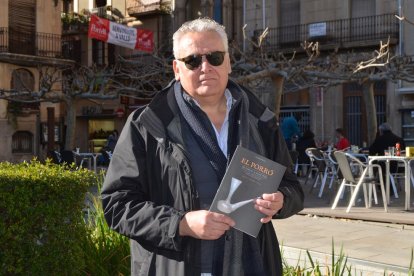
column 205, row 65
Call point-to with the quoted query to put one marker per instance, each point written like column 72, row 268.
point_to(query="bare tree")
column 144, row 76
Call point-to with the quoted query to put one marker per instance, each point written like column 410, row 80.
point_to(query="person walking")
column 171, row 157
column 290, row 129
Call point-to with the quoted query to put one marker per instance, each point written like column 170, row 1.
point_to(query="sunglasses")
column 192, row 62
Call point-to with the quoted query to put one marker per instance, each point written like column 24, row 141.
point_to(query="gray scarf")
column 241, row 252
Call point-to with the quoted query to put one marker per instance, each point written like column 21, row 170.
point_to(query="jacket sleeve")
column 126, row 199
column 289, row 186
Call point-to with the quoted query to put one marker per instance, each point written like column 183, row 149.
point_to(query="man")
column 290, row 129
column 385, row 138
column 171, row 157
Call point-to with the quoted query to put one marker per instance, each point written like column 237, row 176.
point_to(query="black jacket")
column 382, row 142
column 149, row 187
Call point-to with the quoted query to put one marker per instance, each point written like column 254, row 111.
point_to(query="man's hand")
column 205, row 225
column 269, row 205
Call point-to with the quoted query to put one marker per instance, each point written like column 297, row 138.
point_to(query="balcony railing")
column 345, row 33
column 72, row 49
column 36, row 44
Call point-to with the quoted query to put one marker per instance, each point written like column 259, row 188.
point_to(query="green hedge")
column 42, row 229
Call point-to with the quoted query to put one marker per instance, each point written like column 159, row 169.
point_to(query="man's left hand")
column 269, row 205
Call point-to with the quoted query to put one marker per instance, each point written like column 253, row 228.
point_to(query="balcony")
column 72, row 49
column 36, row 44
column 344, row 33
column 147, row 7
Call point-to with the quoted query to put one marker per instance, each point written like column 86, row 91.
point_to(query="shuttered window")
column 22, row 26
column 362, row 18
column 289, row 34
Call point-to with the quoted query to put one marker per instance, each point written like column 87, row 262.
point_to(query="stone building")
column 349, row 25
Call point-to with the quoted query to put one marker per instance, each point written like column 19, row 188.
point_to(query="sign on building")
column 118, row 34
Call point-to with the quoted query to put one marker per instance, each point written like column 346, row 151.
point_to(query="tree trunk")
column 70, row 124
column 368, row 96
column 278, row 82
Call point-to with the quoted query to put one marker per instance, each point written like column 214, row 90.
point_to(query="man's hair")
column 385, row 127
column 198, row 26
column 340, row 131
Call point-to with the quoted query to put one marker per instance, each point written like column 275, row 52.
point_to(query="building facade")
column 36, row 32
column 348, row 26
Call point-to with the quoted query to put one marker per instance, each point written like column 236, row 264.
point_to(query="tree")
column 143, row 76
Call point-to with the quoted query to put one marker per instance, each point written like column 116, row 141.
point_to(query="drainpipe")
column 400, row 36
column 264, row 13
column 244, row 23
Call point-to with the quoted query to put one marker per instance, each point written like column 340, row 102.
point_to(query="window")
column 192, row 9
column 23, row 80
column 362, row 18
column 22, row 142
column 98, row 52
column 355, row 120
column 289, row 34
column 22, row 26
column 217, row 11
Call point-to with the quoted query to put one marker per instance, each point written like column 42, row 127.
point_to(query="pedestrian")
column 168, row 164
column 112, row 140
column 290, row 129
column 343, row 142
column 305, row 142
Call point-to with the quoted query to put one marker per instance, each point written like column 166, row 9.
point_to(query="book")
column 248, row 176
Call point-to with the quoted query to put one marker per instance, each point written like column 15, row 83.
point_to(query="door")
column 355, row 120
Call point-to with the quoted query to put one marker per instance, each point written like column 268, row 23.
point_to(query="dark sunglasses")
column 194, row 61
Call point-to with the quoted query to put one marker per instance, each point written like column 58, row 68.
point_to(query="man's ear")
column 176, row 70
column 228, row 64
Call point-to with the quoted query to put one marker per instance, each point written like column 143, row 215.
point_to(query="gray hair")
column 197, row 26
column 385, row 127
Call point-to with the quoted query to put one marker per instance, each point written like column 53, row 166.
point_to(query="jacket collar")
column 163, row 110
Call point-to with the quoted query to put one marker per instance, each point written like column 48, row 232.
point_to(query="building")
column 35, row 32
column 51, row 34
column 26, row 41
column 350, row 26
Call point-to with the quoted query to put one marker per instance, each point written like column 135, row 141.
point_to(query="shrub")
column 41, row 229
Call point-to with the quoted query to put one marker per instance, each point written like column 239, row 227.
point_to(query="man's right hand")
column 205, row 225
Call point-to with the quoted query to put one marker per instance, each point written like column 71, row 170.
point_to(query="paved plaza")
column 374, row 241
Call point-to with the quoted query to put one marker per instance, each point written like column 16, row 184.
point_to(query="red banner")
column 118, row 34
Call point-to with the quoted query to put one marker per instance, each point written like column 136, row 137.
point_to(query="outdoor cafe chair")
column 356, row 174
column 318, row 164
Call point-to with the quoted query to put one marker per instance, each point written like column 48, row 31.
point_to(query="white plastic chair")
column 356, row 174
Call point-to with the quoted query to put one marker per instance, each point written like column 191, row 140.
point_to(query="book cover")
column 248, row 176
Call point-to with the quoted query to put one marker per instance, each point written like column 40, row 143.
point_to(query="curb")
column 298, row 257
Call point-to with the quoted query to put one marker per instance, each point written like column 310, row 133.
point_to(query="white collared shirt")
column 223, row 134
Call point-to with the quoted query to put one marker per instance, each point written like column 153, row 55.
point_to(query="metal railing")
column 36, row 44
column 72, row 49
column 344, row 32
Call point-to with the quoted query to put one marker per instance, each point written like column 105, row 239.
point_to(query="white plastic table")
column 407, row 168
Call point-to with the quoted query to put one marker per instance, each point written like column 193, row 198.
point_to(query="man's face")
column 207, row 81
